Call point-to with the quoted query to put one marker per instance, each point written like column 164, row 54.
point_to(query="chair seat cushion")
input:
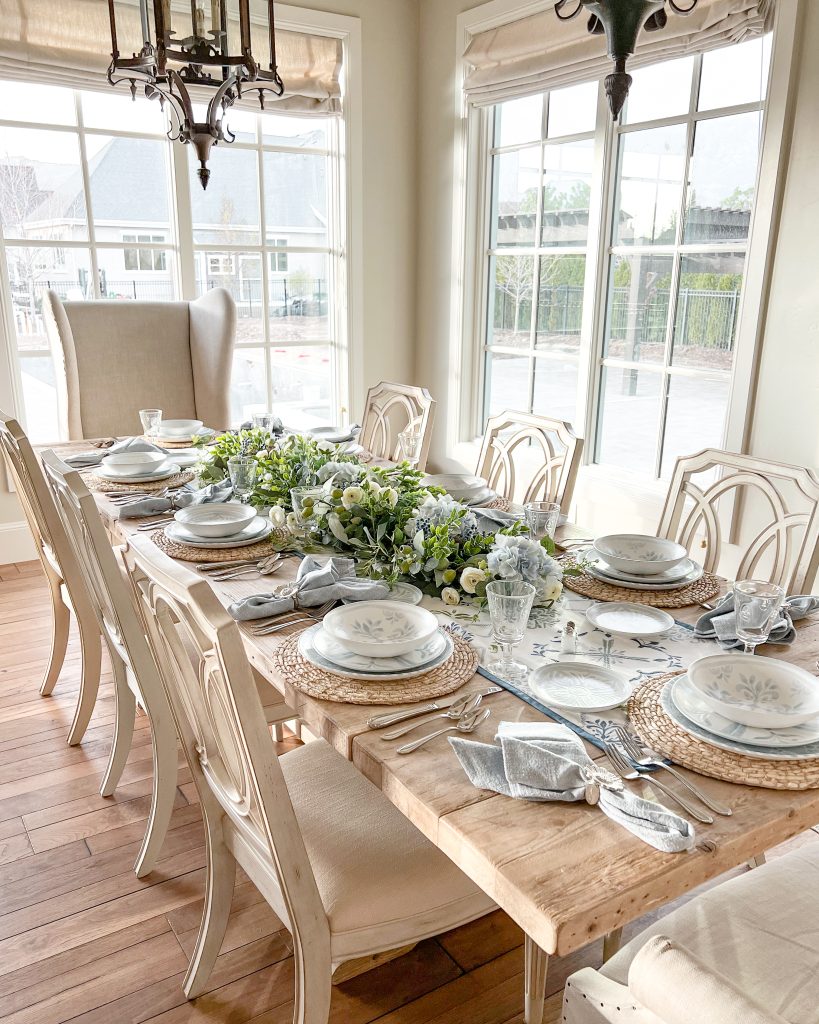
column 373, row 868
column 760, row 930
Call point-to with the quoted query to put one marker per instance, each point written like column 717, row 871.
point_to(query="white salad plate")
column 736, row 746
column 205, row 432
column 187, row 457
column 460, row 486
column 579, row 686
column 679, row 572
column 258, row 529
column 763, row 692
column 638, row 554
column 216, row 520
column 134, row 461
column 167, row 469
column 691, row 577
column 381, row 629
column 621, row 618
column 380, row 669
column 691, row 704
column 404, row 592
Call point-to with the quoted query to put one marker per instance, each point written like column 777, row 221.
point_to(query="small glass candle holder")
column 304, row 501
column 151, row 420
column 263, row 421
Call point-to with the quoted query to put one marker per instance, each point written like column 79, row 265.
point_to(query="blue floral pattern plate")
column 319, row 648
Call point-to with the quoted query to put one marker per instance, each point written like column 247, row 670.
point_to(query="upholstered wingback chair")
column 121, row 357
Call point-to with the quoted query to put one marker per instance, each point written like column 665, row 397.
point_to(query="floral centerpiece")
column 387, row 519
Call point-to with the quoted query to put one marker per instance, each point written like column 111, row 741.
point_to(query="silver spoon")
column 468, row 702
column 266, row 567
column 468, row 722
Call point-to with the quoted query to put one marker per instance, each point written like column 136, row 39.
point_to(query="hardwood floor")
column 82, row 939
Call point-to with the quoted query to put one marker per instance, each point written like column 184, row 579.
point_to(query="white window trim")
column 470, row 206
column 345, row 190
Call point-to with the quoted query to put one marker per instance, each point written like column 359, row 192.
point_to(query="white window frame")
column 345, row 199
column 471, row 209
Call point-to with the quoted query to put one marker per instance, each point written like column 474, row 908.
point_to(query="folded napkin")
column 544, row 762
column 492, row 519
column 721, row 622
column 187, row 495
column 83, row 460
column 315, row 584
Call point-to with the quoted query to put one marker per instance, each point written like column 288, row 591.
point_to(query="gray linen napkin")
column 187, row 495
column 545, row 762
column 317, row 583
column 490, row 520
column 721, row 623
column 83, row 460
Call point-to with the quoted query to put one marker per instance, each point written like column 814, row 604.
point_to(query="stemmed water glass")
column 756, row 607
column 242, row 470
column 151, row 420
column 510, row 602
column 542, row 518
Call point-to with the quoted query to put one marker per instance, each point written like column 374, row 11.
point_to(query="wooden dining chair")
column 769, row 512
column 345, row 871
column 63, row 575
column 391, row 409
column 530, row 458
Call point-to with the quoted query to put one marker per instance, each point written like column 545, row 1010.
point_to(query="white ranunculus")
column 278, row 517
column 552, row 589
column 292, row 522
column 449, row 595
column 391, row 496
column 470, row 578
column 351, row 496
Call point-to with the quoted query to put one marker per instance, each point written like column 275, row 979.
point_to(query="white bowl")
column 456, row 484
column 762, row 692
column 638, row 554
column 381, row 629
column 216, row 520
column 137, row 462
column 179, row 428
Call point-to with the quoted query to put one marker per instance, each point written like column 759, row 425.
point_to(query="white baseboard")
column 16, row 544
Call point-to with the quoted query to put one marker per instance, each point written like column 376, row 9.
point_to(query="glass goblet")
column 151, row 420
column 510, row 602
column 242, row 470
column 409, row 445
column 756, row 607
column 542, row 518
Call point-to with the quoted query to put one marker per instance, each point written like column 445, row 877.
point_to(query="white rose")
column 449, row 595
column 351, row 496
column 278, row 517
column 471, row 577
column 391, row 496
column 374, row 487
column 292, row 522
column 552, row 589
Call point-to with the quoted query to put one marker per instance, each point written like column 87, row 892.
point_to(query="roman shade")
column 70, row 45
column 541, row 52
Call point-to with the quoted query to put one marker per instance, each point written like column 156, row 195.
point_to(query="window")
column 87, row 186
column 653, row 358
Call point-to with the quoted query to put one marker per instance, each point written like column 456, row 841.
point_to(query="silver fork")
column 467, row 723
column 265, row 567
column 154, row 525
column 642, row 758
column 468, row 702
column 626, row 770
column 305, row 616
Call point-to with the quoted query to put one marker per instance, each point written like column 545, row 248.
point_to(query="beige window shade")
column 69, row 43
column 541, row 52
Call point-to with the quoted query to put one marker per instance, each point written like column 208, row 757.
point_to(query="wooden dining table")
column 564, row 872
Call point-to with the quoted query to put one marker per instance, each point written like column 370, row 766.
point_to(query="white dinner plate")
column 257, row 530
column 604, row 577
column 369, row 668
column 167, row 469
column 579, row 686
column 206, row 432
column 400, row 591
column 691, row 704
column 186, row 457
column 621, row 618
column 736, row 746
column 679, row 572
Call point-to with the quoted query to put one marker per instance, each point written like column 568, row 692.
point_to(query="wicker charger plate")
column 96, row 483
column 706, row 587
column 189, row 553
column 315, row 682
column 667, row 738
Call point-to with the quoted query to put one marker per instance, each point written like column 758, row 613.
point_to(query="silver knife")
column 382, row 721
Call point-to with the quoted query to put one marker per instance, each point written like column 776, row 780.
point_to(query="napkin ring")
column 596, row 778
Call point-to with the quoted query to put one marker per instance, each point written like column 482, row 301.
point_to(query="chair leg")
column 758, row 861
column 536, row 965
column 221, row 875
column 278, row 732
column 61, row 615
column 91, row 645
column 123, row 727
column 163, row 739
column 313, row 985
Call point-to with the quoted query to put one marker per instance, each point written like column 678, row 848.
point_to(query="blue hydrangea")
column 437, row 511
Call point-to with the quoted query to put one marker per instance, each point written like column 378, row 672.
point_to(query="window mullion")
column 182, row 221
column 86, row 187
column 264, row 260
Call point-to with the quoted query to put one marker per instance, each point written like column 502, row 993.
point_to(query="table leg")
column 611, row 943
column 536, row 964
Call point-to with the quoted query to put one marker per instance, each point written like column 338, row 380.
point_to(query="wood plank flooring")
column 83, row 940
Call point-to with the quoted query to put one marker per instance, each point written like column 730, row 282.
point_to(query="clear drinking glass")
column 243, row 470
column 510, row 602
column 263, row 420
column 409, row 444
column 756, row 606
column 542, row 518
column 304, row 500
column 151, row 420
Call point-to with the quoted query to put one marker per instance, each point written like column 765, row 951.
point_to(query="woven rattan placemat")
column 668, row 739
column 96, row 483
column 189, row 553
column 706, row 587
column 316, row 682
